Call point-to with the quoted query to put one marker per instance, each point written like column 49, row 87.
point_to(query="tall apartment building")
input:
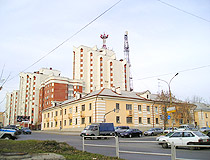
column 57, row 89
column 11, row 111
column 98, row 68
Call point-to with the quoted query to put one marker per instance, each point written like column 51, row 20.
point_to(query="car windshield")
column 169, row 134
column 89, row 127
column 183, row 127
column 128, row 130
column 199, row 134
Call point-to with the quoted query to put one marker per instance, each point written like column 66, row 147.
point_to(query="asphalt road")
column 76, row 141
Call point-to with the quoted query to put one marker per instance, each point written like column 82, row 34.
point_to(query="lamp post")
column 110, row 112
column 169, row 88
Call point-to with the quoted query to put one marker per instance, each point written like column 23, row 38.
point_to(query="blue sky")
column 162, row 39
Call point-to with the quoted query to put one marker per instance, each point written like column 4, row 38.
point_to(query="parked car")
column 205, row 129
column 184, row 127
column 26, row 130
column 182, row 138
column 131, row 133
column 169, row 129
column 153, row 131
column 120, row 129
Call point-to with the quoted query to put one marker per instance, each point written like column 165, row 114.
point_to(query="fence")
column 118, row 151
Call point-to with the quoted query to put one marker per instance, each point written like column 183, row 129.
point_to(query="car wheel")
column 7, row 137
column 130, row 135
column 140, row 134
column 152, row 134
column 164, row 145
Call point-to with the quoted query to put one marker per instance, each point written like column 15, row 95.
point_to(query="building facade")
column 57, row 89
column 202, row 115
column 130, row 110
column 1, row 119
column 98, row 68
column 12, row 111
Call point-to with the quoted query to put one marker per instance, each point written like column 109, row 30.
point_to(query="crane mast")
column 126, row 54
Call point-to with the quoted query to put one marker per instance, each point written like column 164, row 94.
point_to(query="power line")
column 69, row 37
column 194, row 15
column 186, row 70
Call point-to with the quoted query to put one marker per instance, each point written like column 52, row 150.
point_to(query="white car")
column 205, row 129
column 183, row 138
column 160, row 138
column 169, row 129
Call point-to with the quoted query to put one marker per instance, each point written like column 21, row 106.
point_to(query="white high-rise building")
column 98, row 68
column 11, row 111
column 30, row 84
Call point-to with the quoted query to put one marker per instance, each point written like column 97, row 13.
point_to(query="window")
column 70, row 121
column 76, row 121
column 56, row 113
column 76, row 108
column 117, row 119
column 140, row 120
column 60, row 112
column 117, row 106
column 48, row 125
column 128, row 107
column 83, row 107
column 60, row 123
column 65, row 111
column 206, row 115
column 148, row 108
column 44, row 115
column 52, row 114
column 56, row 124
column 90, row 106
column 83, row 120
column 129, row 119
column 156, row 109
column 51, row 124
column 64, row 122
column 90, row 120
column 44, row 125
column 148, row 120
column 139, row 107
column 188, row 134
column 177, row 134
column 157, row 122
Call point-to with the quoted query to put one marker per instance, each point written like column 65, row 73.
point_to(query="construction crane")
column 126, row 54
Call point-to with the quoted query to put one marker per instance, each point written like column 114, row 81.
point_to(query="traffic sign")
column 169, row 117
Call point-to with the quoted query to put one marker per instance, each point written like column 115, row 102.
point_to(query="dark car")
column 153, row 131
column 26, row 130
column 120, row 129
column 131, row 133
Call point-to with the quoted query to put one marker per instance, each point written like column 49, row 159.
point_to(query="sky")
column 163, row 39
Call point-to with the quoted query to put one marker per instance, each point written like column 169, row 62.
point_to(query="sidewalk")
column 72, row 133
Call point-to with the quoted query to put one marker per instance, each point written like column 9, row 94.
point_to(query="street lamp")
column 169, row 88
column 117, row 110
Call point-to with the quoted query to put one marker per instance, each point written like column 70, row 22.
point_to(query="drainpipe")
column 95, row 107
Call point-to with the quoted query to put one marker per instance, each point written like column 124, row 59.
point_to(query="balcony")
column 129, row 113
